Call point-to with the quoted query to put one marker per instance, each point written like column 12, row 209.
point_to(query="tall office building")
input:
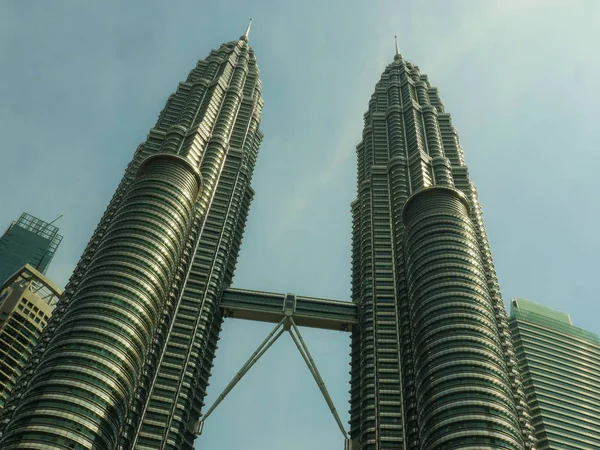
column 29, row 240
column 560, row 364
column 127, row 354
column 27, row 300
column 127, row 357
column 433, row 366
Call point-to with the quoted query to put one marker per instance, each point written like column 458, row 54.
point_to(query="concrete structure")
column 560, row 364
column 127, row 356
column 29, row 240
column 27, row 300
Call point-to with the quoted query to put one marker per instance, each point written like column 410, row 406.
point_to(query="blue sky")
column 83, row 83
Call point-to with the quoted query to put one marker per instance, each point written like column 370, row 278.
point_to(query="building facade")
column 127, row 354
column 27, row 300
column 560, row 364
column 28, row 240
column 126, row 358
column 433, row 365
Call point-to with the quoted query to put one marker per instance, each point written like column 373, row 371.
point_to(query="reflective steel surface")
column 432, row 363
column 126, row 357
column 82, row 388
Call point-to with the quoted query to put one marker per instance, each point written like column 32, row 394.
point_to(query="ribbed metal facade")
column 560, row 364
column 433, row 365
column 127, row 354
column 126, row 357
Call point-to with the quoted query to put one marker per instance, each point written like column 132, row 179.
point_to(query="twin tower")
column 125, row 360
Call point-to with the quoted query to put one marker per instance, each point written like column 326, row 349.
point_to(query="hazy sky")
column 82, row 83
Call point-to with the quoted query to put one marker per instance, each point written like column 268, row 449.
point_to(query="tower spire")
column 246, row 34
column 397, row 55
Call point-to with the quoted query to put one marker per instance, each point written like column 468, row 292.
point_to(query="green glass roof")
column 521, row 309
column 526, row 305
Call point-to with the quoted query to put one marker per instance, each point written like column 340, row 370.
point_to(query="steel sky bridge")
column 306, row 311
column 288, row 311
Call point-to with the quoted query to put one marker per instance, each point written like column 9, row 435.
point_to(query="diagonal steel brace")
column 262, row 348
column 286, row 324
column 303, row 349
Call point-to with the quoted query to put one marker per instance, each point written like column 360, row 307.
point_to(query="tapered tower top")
column 246, row 34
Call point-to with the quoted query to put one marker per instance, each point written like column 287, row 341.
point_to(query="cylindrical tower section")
column 442, row 171
column 463, row 389
column 83, row 386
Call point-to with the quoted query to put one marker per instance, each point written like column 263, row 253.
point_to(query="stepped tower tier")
column 127, row 355
column 432, row 362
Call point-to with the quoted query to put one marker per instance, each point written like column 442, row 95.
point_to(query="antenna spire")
column 246, row 34
column 55, row 219
column 398, row 55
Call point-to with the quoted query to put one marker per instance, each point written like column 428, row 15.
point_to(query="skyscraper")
column 433, row 365
column 560, row 364
column 27, row 300
column 29, row 240
column 127, row 354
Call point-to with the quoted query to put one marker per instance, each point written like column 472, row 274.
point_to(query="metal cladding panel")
column 409, row 146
